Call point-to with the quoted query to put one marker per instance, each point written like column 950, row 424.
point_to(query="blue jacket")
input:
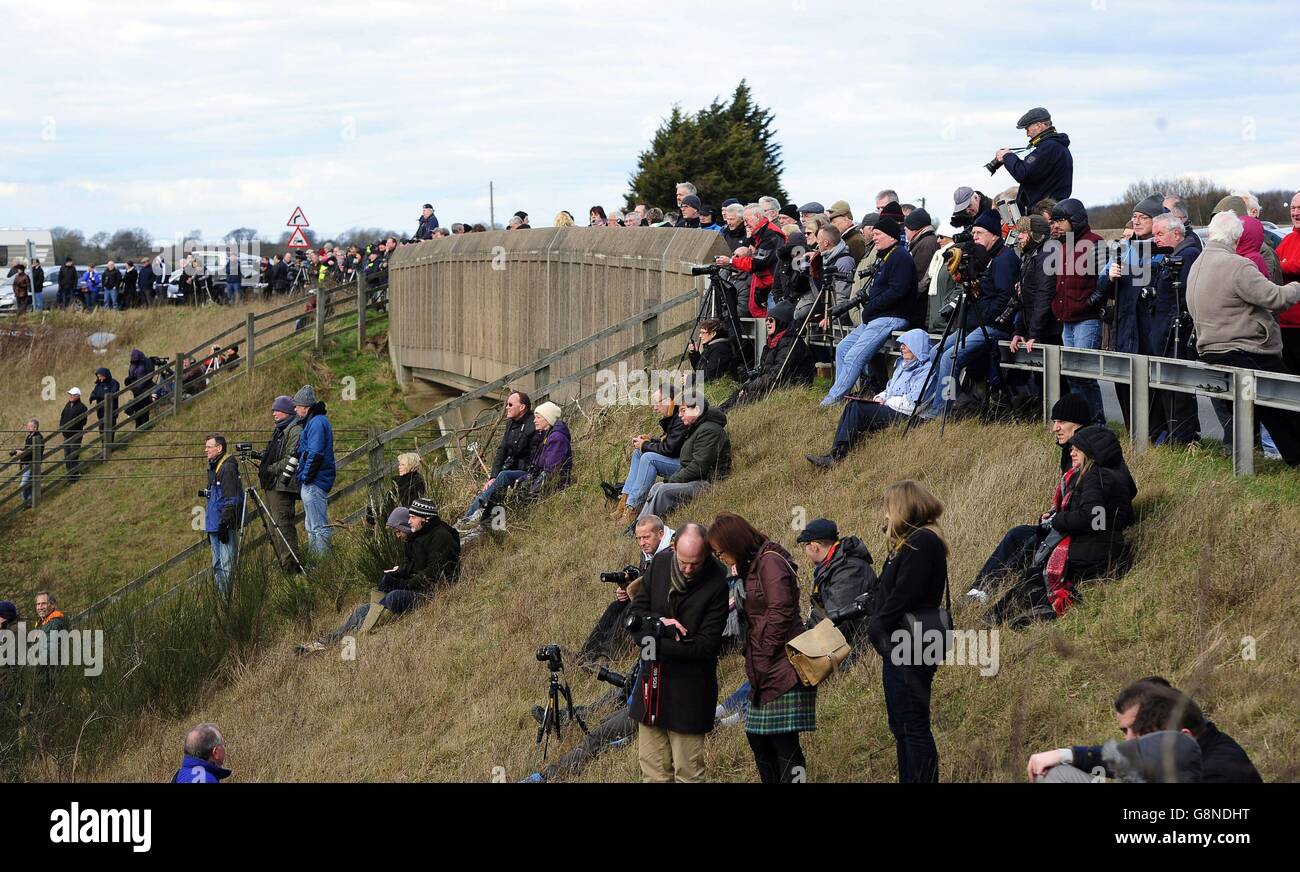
column 893, row 290
column 997, row 284
column 196, row 771
column 316, row 450
column 1047, row 171
column 909, row 377
column 93, row 282
column 225, row 494
column 1132, row 316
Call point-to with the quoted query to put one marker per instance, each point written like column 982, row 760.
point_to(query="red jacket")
column 1288, row 254
column 761, row 265
column 1076, row 275
column 772, row 613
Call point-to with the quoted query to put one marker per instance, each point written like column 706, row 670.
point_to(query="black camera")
column 205, row 493
column 861, row 607
column 610, row 677
column 711, row 269
column 623, row 577
column 551, row 656
column 638, row 624
column 993, row 166
column 1147, row 294
column 839, row 310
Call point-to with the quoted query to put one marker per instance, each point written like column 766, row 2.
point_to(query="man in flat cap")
column 1048, row 170
column 428, row 223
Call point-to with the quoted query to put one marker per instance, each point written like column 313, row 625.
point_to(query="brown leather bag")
column 817, row 653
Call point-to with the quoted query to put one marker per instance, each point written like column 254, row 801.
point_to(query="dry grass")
column 444, row 694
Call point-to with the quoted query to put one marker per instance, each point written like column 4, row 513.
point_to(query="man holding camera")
column 677, row 618
column 888, row 306
column 1129, row 280
column 225, row 496
column 606, row 638
column 843, row 581
column 1174, row 417
column 989, row 315
column 758, row 257
column 277, row 465
column 1048, row 170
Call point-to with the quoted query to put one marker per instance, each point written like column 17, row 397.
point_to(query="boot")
column 376, row 615
column 618, row 510
column 629, row 515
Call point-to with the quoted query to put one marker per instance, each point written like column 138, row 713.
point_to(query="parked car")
column 214, row 262
column 49, row 294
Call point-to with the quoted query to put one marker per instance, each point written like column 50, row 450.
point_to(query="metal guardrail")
column 108, row 436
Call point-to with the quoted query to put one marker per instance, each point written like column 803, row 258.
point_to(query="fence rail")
column 100, row 440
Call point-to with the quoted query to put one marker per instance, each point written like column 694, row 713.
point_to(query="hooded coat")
column 1047, row 171
column 141, row 368
column 771, row 619
column 104, row 396
column 431, row 555
column 1075, row 261
column 903, row 390
column 706, row 452
column 1100, row 506
column 1252, row 237
column 316, row 450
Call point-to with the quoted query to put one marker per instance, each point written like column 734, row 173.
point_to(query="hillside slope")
column 444, row 694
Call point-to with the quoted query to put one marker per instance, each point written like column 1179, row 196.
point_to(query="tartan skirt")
column 794, row 711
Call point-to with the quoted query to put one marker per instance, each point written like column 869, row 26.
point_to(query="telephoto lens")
column 290, row 468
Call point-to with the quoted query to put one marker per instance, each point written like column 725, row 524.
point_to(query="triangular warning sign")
column 297, row 239
column 297, row 219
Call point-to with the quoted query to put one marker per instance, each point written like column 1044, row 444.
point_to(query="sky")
column 173, row 116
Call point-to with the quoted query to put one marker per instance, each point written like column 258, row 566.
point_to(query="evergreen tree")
column 725, row 150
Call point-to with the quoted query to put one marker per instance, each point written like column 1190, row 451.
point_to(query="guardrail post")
column 361, row 310
column 1243, row 422
column 376, row 469
column 250, row 338
column 179, row 393
column 760, row 339
column 1139, row 402
column 1051, row 379
column 321, row 295
column 541, row 375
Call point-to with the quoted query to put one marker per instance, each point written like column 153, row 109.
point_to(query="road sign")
column 297, row 239
column 297, row 219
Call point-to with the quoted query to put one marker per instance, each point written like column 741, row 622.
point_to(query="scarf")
column 775, row 338
column 678, row 581
column 1060, row 591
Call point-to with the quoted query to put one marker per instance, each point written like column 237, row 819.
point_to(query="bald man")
column 205, row 751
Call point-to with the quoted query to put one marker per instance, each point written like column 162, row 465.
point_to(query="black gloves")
column 223, row 534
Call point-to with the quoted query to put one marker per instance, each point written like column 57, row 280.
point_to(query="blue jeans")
column 907, row 702
column 854, row 352
column 38, row 299
column 26, row 486
column 233, row 293
column 642, row 473
column 974, row 350
column 502, row 483
column 1085, row 334
column 110, row 299
column 314, row 503
column 223, row 560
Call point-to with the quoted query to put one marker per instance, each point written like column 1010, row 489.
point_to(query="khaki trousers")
column 666, row 756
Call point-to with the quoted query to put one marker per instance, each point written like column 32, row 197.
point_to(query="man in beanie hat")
column 1016, row 550
column 277, row 465
column 706, row 218
column 989, row 318
column 8, row 614
column 1048, row 169
column 922, row 243
column 786, row 360
column 890, row 305
column 1129, row 279
column 789, row 215
column 690, row 207
column 315, row 466
column 1076, row 259
column 430, row 557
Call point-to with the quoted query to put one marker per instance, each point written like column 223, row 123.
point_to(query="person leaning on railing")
column 1233, row 307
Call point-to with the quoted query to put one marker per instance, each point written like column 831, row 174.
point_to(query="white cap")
column 946, row 229
column 74, row 392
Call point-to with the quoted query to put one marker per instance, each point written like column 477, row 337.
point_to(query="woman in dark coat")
column 781, row 706
column 712, row 354
column 913, row 578
column 140, row 379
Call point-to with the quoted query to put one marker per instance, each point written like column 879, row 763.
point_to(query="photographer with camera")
column 757, row 257
column 862, row 416
column 1048, row 169
column 276, row 473
column 887, row 305
column 712, row 353
column 1233, row 307
column 1129, row 279
column 844, row 582
column 677, row 618
column 835, row 273
column 781, row 706
column 607, row 639
column 990, row 314
column 652, row 458
column 315, row 466
column 225, row 496
column 1174, row 417
column 427, row 224
column 968, row 204
column 786, row 360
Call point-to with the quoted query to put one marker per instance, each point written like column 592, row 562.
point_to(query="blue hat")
column 283, row 403
column 8, row 611
column 813, row 208
column 989, row 220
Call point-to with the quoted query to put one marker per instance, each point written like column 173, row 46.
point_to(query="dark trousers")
column 616, row 729
column 907, row 701
column 396, row 601
column 859, row 418
column 1291, row 349
column 609, row 638
column 281, row 505
column 779, row 757
column 1011, row 557
column 71, row 453
column 1282, row 425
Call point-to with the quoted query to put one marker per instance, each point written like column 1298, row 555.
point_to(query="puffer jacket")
column 706, row 453
column 1100, row 506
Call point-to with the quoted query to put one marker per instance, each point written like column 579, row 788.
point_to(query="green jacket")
column 706, row 453
column 269, row 473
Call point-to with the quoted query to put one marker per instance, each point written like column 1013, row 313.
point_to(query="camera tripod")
column 731, row 316
column 956, row 323
column 273, row 530
column 551, row 716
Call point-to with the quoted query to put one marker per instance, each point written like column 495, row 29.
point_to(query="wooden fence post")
column 321, row 296
column 250, row 341
column 38, row 454
column 179, row 393
column 361, row 310
column 377, row 469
